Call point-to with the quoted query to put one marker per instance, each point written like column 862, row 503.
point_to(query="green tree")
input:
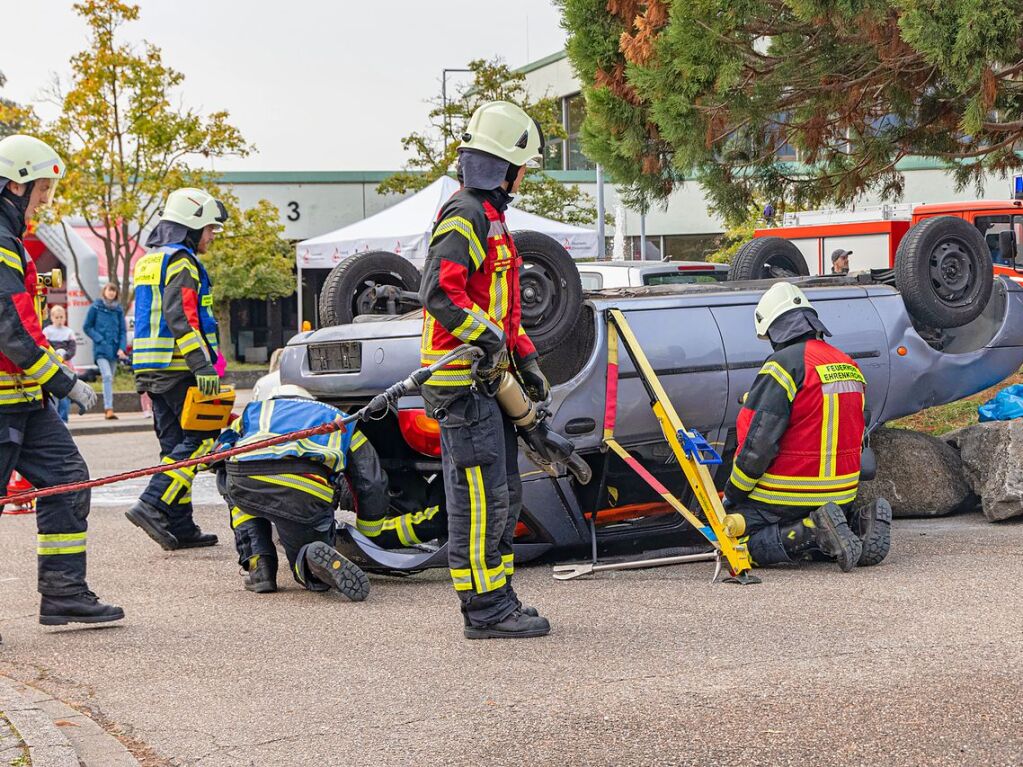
column 249, row 259
column 126, row 137
column 434, row 151
column 712, row 88
column 15, row 118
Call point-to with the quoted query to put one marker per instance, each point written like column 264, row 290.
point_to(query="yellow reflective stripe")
column 44, row 368
column 477, row 527
column 781, row 375
column 297, row 482
column 265, row 415
column 450, row 378
column 371, row 528
column 475, row 324
column 508, row 560
column 155, row 342
column 829, row 435
column 11, row 259
column 171, row 492
column 189, row 342
column 48, row 544
column 741, row 479
column 811, row 483
column 239, row 517
column 358, row 441
column 402, row 528
column 462, row 579
column 181, row 265
column 802, row 499
column 464, row 227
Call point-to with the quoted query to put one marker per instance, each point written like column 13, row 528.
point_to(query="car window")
column 591, row 280
column 990, row 227
column 681, row 278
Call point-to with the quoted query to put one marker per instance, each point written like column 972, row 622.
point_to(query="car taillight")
column 421, row 432
column 695, row 268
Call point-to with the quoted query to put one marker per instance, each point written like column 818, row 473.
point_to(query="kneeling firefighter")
column 295, row 486
column 800, row 432
column 33, row 439
column 176, row 347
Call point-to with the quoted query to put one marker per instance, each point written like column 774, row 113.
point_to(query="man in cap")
column 176, row 347
column 800, row 434
column 33, row 439
column 840, row 261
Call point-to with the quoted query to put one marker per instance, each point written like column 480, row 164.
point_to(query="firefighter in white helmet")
column 470, row 294
column 800, row 435
column 33, row 439
column 176, row 347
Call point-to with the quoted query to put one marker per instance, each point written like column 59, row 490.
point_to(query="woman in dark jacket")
column 104, row 324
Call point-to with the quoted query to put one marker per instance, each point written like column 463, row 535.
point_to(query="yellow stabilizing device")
column 689, row 447
column 203, row 413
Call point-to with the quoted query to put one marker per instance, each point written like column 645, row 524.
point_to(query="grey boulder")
column 990, row 453
column 918, row 474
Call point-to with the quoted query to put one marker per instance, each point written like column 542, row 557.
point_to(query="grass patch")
column 955, row 415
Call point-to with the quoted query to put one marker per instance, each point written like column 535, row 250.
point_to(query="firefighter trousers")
column 483, row 492
column 769, row 534
column 37, row 444
column 171, row 492
column 309, row 519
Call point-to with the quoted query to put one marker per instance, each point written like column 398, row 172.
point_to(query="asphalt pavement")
column 915, row 662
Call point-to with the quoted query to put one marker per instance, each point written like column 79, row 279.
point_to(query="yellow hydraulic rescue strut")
column 691, row 450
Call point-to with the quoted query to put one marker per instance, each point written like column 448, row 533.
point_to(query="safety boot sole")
column 835, row 537
column 198, row 543
column 489, row 632
column 874, row 528
column 63, row 620
column 263, row 587
column 334, row 570
column 166, row 539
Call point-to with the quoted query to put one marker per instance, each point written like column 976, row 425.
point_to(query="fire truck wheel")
column 550, row 287
column 943, row 270
column 350, row 289
column 766, row 258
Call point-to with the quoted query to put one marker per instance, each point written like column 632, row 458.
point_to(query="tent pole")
column 600, row 213
column 298, row 292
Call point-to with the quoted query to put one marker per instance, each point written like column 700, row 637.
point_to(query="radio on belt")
column 202, row 413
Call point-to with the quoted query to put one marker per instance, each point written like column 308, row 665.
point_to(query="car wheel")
column 350, row 288
column 766, row 258
column 550, row 288
column 943, row 270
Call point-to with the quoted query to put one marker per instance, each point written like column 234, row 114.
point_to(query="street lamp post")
column 444, row 101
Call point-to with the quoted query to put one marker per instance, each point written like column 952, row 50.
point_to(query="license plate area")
column 335, row 357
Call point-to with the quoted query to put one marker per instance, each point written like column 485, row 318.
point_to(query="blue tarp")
column 1004, row 406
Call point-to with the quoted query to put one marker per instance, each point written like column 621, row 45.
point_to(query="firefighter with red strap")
column 176, row 347
column 33, row 440
column 800, row 436
column 470, row 294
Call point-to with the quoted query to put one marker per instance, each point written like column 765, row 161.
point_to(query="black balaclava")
column 173, row 233
column 794, row 326
column 20, row 204
column 483, row 171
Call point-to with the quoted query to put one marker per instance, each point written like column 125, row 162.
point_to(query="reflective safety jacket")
column 175, row 329
column 801, row 430
column 470, row 289
column 28, row 364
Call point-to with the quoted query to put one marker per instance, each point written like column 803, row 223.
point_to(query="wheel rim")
column 953, row 273
column 539, row 292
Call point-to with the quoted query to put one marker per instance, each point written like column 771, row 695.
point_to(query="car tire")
column 767, row 258
column 944, row 272
column 344, row 293
column 550, row 287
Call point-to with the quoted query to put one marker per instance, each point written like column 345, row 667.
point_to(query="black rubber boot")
column 532, row 612
column 199, row 540
column 518, row 625
column 798, row 539
column 153, row 523
column 262, row 577
column 873, row 525
column 329, row 567
column 835, row 538
column 79, row 608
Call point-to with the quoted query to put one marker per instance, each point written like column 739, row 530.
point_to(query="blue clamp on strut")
column 697, row 448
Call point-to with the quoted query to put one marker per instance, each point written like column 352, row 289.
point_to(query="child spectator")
column 62, row 339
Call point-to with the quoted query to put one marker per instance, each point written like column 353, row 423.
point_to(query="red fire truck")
column 941, row 257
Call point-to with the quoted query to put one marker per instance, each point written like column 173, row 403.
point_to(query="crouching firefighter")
column 33, row 439
column 294, row 487
column 800, row 436
column 176, row 347
column 470, row 294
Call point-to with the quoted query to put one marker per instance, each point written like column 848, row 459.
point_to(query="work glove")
column 534, row 381
column 493, row 365
column 208, row 381
column 82, row 395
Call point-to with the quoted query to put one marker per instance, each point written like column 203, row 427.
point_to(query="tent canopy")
column 404, row 228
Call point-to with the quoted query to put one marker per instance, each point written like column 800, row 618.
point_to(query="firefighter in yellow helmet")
column 33, row 439
column 470, row 294
column 176, row 347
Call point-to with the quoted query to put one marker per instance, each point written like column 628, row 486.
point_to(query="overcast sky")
column 314, row 84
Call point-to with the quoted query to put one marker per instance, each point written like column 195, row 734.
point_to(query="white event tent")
column 404, row 228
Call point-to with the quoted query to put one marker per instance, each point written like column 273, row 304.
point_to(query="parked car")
column 635, row 274
column 700, row 340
